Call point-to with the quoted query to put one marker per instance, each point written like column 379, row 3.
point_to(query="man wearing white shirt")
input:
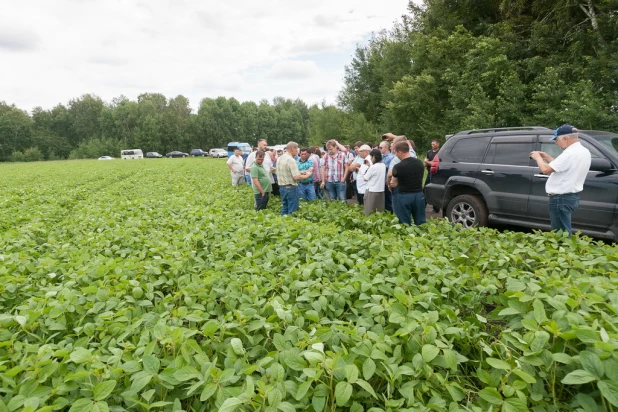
column 267, row 163
column 358, row 167
column 236, row 166
column 567, row 174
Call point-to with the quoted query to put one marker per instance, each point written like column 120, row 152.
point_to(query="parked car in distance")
column 106, row 158
column 486, row 176
column 176, row 153
column 198, row 152
column 217, row 153
column 153, row 155
column 132, row 154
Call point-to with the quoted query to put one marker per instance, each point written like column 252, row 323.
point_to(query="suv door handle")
column 487, row 172
column 542, row 176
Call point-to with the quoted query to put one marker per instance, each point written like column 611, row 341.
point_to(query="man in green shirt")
column 260, row 182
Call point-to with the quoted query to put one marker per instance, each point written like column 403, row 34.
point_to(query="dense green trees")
column 453, row 65
column 89, row 127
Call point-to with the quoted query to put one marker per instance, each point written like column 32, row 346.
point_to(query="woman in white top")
column 375, row 177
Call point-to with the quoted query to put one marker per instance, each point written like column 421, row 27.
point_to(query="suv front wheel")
column 468, row 210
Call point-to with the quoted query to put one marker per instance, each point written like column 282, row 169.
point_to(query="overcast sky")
column 52, row 51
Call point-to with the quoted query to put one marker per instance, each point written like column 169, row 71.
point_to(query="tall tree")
column 85, row 116
column 15, row 130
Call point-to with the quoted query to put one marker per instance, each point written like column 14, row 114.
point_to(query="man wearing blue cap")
column 567, row 174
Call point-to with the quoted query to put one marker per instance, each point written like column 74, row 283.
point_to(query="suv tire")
column 468, row 210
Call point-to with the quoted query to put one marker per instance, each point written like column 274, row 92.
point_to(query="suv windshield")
column 607, row 139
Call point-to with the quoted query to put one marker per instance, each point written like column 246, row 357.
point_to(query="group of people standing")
column 382, row 179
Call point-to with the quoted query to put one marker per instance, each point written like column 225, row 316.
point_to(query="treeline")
column 88, row 127
column 456, row 65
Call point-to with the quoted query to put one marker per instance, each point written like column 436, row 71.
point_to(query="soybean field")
column 154, row 285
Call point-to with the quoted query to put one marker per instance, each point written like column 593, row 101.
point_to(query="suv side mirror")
column 600, row 165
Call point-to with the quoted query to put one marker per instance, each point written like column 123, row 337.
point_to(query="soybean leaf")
column 151, row 364
column 578, row 377
column 81, row 405
column 609, row 390
column 591, row 362
column 498, row 363
column 514, row 405
column 369, row 368
column 103, row 390
column 343, row 392
column 208, row 391
column 429, row 352
column 286, row 407
column 230, row 405
column 302, row 390
column 186, row 373
column 586, row 402
column 81, row 355
column 366, row 386
column 539, row 311
column 237, row 346
column 491, row 395
column 351, row 373
column 524, row 376
column 318, row 403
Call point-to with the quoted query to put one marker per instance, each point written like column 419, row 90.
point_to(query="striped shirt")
column 334, row 167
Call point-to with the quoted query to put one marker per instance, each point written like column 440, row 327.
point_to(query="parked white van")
column 132, row 154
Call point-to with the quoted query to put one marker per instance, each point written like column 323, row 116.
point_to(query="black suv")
column 487, row 175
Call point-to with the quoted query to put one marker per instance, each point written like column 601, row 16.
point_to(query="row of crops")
column 134, row 286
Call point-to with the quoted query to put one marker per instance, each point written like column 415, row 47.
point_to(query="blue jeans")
column 289, row 199
column 336, row 190
column 561, row 208
column 410, row 206
column 261, row 201
column 248, row 179
column 306, row 191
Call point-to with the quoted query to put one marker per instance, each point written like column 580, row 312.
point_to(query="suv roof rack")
column 503, row 129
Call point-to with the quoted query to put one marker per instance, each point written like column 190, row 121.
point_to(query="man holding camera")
column 567, row 174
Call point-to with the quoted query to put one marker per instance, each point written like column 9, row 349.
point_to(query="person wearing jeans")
column 567, row 174
column 409, row 203
column 288, row 175
column 305, row 186
column 333, row 170
column 335, row 190
column 260, row 178
column 289, row 199
column 561, row 208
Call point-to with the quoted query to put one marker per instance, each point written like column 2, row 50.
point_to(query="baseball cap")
column 364, row 147
column 564, row 129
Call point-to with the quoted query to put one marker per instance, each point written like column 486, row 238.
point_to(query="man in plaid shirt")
column 333, row 170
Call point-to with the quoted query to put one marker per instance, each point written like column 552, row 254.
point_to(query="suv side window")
column 552, row 149
column 510, row 151
column 470, row 149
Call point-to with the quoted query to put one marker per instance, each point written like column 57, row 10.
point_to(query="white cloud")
column 61, row 49
column 293, row 70
column 17, row 39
